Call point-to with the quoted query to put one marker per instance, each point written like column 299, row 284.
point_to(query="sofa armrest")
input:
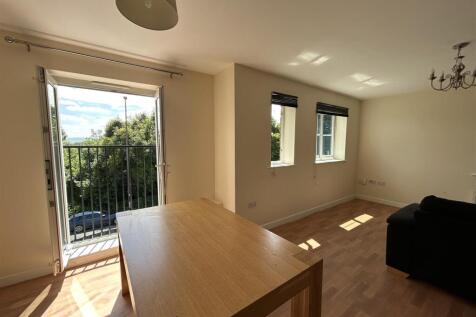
column 400, row 238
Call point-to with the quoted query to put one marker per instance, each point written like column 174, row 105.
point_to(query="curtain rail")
column 13, row 40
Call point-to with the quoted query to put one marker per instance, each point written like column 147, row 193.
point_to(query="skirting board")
column 25, row 275
column 382, row 201
column 303, row 213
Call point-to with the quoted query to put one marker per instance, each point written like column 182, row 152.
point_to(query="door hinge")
column 41, row 75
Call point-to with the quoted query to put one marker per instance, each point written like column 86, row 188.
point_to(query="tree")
column 96, row 169
column 275, row 140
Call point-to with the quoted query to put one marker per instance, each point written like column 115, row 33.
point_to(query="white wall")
column 281, row 192
column 224, row 93
column 419, row 144
column 25, row 244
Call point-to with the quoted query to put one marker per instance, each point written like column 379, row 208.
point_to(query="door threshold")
column 92, row 252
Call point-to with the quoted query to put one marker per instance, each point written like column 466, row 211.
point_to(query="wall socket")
column 251, row 204
column 364, row 181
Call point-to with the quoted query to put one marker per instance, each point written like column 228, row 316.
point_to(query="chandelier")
column 459, row 78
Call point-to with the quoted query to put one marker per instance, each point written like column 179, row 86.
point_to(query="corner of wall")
column 224, row 136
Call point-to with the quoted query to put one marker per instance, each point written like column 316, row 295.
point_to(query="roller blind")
column 325, row 108
column 278, row 98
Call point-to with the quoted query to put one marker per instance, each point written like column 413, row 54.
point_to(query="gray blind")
column 278, row 98
column 325, row 108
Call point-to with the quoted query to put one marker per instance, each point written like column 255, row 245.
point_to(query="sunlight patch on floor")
column 349, row 225
column 363, row 218
column 313, row 243
column 309, row 244
column 357, row 221
column 82, row 300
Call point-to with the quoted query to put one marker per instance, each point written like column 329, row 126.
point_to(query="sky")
column 276, row 113
column 83, row 110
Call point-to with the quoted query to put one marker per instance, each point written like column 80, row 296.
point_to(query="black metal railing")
column 102, row 180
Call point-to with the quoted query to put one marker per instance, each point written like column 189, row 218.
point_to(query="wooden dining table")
column 195, row 258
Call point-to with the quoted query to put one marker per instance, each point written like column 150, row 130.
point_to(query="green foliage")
column 96, row 169
column 275, row 140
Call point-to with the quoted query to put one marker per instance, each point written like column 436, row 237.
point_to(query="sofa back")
column 448, row 208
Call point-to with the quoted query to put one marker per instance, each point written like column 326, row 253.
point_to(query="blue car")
column 86, row 220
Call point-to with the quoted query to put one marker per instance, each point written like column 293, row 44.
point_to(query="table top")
column 196, row 258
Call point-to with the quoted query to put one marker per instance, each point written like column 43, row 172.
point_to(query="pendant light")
column 150, row 14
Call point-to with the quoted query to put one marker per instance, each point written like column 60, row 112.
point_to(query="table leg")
column 315, row 291
column 124, row 282
column 300, row 305
column 307, row 303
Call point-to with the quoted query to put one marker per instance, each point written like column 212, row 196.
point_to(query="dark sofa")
column 435, row 241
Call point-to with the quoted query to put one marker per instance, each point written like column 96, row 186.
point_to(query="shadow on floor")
column 34, row 297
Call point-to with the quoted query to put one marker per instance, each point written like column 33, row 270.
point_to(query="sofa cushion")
column 404, row 216
column 449, row 208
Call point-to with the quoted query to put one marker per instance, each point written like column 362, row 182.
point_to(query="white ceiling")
column 397, row 42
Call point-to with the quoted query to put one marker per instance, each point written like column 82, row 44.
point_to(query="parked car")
column 86, row 220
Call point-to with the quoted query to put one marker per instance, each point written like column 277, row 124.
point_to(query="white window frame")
column 286, row 145
column 281, row 138
column 320, row 136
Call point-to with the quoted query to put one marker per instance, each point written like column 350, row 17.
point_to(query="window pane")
column 319, row 118
column 327, row 124
column 275, row 132
column 327, row 145
column 317, row 145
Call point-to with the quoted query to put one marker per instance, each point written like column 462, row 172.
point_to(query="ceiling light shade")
column 150, row 14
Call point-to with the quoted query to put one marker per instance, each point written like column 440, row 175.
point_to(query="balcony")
column 102, row 180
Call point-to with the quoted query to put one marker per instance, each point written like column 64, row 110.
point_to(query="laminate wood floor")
column 356, row 281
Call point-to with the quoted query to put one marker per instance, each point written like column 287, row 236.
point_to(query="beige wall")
column 284, row 191
column 418, row 144
column 25, row 244
column 224, row 93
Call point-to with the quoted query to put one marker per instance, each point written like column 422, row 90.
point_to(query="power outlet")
column 252, row 204
column 363, row 181
column 381, row 183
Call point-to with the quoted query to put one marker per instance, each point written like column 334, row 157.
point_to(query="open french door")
column 160, row 146
column 55, row 178
column 58, row 185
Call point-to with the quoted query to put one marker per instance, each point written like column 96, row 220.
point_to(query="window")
column 331, row 133
column 283, row 117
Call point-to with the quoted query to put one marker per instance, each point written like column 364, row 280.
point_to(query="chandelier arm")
column 450, row 84
column 472, row 83
column 433, row 86
column 447, row 87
